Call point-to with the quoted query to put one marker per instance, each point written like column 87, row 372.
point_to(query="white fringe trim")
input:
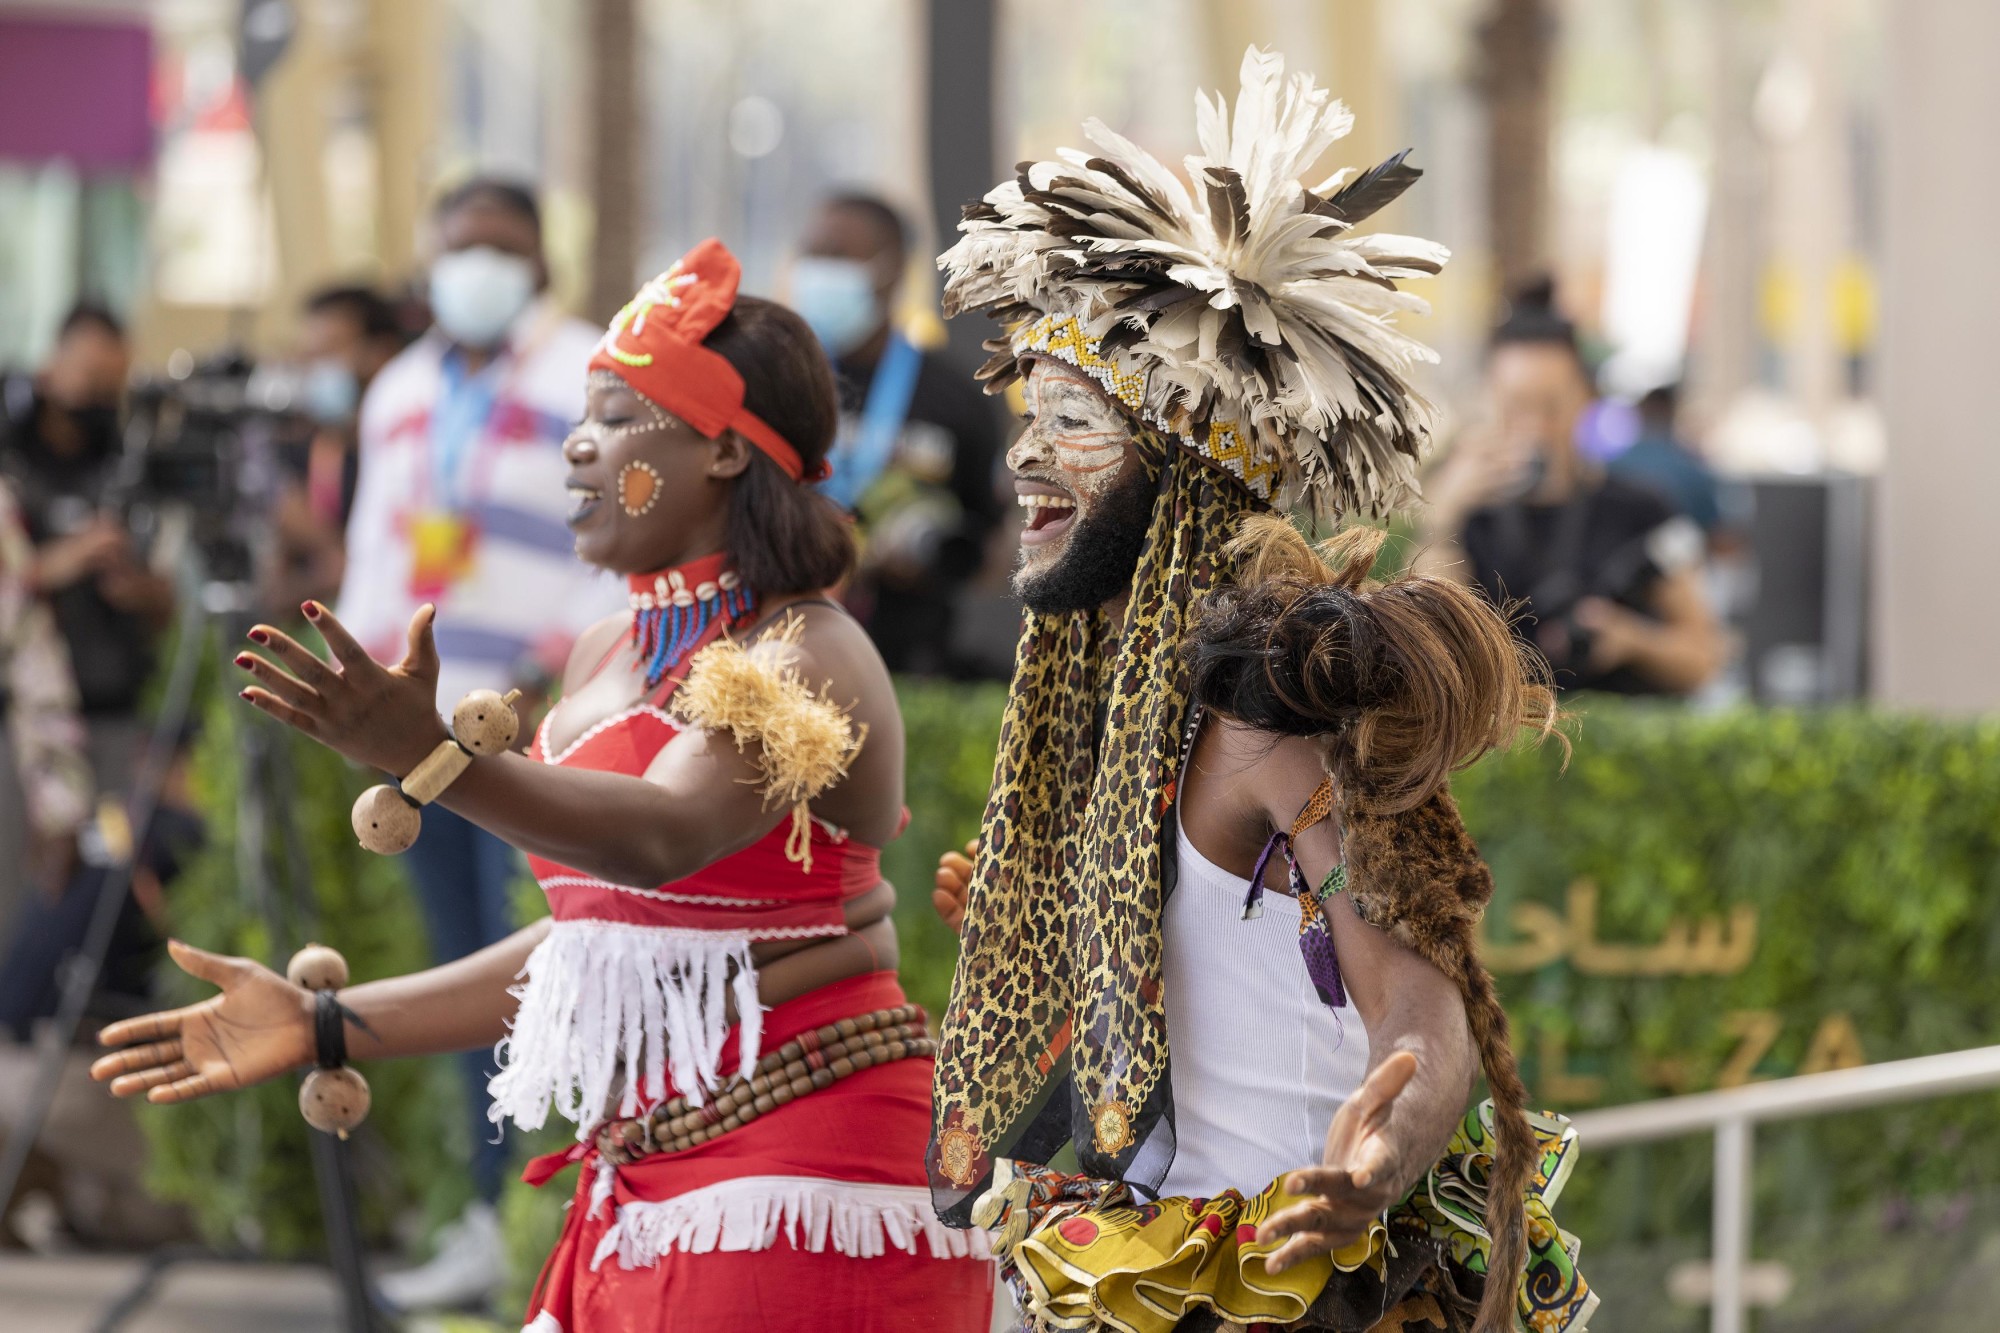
column 811, row 1213
column 605, row 1003
column 543, row 1323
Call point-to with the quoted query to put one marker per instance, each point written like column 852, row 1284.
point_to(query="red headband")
column 655, row 345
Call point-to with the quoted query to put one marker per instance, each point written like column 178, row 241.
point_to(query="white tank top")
column 1259, row 1063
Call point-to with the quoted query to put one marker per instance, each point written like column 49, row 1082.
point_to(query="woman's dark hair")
column 1408, row 680
column 784, row 536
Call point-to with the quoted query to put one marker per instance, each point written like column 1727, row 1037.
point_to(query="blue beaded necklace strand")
column 673, row 612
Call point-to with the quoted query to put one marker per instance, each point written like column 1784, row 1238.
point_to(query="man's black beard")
column 1102, row 553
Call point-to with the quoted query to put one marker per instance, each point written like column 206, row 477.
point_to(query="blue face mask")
column 836, row 298
column 330, row 392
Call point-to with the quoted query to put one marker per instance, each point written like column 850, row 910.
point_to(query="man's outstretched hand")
column 1357, row 1180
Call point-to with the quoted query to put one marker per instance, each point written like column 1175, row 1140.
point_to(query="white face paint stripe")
column 1086, row 453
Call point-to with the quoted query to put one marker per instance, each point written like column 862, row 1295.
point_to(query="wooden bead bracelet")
column 387, row 816
column 809, row 1062
column 334, row 1098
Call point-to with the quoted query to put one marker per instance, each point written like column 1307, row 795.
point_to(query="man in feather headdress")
column 1264, row 1090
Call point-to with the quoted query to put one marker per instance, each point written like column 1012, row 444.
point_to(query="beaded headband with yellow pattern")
column 1242, row 317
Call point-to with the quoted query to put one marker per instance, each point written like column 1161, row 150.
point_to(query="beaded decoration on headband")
column 679, row 610
column 656, row 344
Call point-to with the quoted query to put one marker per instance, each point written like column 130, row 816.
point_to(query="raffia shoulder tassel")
column 805, row 742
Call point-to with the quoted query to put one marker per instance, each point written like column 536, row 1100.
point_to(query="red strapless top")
column 757, row 891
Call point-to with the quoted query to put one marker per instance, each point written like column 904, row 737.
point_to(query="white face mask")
column 477, row 294
column 836, row 298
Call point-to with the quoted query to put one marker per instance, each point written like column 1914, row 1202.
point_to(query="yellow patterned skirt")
column 1082, row 1257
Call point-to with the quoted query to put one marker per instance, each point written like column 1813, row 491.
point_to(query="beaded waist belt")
column 805, row 1064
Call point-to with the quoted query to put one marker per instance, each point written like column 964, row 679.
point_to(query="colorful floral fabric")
column 1451, row 1202
column 1084, row 1254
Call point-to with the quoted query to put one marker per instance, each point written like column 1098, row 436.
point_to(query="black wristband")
column 329, row 1030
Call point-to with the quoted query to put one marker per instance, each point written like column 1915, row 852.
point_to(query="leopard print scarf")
column 1056, row 1031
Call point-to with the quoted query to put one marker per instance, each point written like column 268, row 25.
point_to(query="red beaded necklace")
column 679, row 611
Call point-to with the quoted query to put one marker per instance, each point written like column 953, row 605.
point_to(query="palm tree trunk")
column 1517, row 57
column 617, row 134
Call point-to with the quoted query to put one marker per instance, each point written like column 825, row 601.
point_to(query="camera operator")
column 348, row 335
column 60, row 441
column 1605, row 573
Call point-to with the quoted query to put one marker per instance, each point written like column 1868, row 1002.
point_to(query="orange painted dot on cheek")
column 638, row 488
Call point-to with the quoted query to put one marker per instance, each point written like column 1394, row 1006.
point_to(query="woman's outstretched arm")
column 261, row 1026
column 699, row 801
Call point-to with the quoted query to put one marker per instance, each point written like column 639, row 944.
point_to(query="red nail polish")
column 243, row 659
column 259, row 636
column 243, row 695
column 311, row 609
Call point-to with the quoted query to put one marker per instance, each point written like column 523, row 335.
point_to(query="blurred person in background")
column 60, row 449
column 461, row 504
column 1604, row 572
column 46, row 753
column 348, row 335
column 51, row 929
column 1661, row 460
column 918, row 443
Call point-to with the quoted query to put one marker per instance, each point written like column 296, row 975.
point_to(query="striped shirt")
column 480, row 454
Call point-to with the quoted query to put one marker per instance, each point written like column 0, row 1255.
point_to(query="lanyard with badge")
column 444, row 527
column 863, row 453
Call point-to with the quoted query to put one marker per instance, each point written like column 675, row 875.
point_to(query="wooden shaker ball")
column 316, row 967
column 384, row 821
column 334, row 1101
column 485, row 723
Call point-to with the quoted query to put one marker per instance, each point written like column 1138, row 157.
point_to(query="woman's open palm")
column 259, row 1027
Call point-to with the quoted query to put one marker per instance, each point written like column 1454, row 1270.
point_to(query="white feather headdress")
column 1243, row 315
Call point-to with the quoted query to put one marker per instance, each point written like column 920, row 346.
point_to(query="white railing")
column 1732, row 1114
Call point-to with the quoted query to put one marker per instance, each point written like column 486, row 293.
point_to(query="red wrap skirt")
column 814, row 1217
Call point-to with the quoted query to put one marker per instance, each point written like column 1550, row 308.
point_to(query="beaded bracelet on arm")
column 386, row 816
column 334, row 1098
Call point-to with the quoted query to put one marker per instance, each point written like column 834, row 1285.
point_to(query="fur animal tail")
column 1514, row 1153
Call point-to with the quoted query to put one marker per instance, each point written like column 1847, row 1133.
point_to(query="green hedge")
column 1867, row 845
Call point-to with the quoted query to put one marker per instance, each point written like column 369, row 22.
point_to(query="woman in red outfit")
column 705, row 915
